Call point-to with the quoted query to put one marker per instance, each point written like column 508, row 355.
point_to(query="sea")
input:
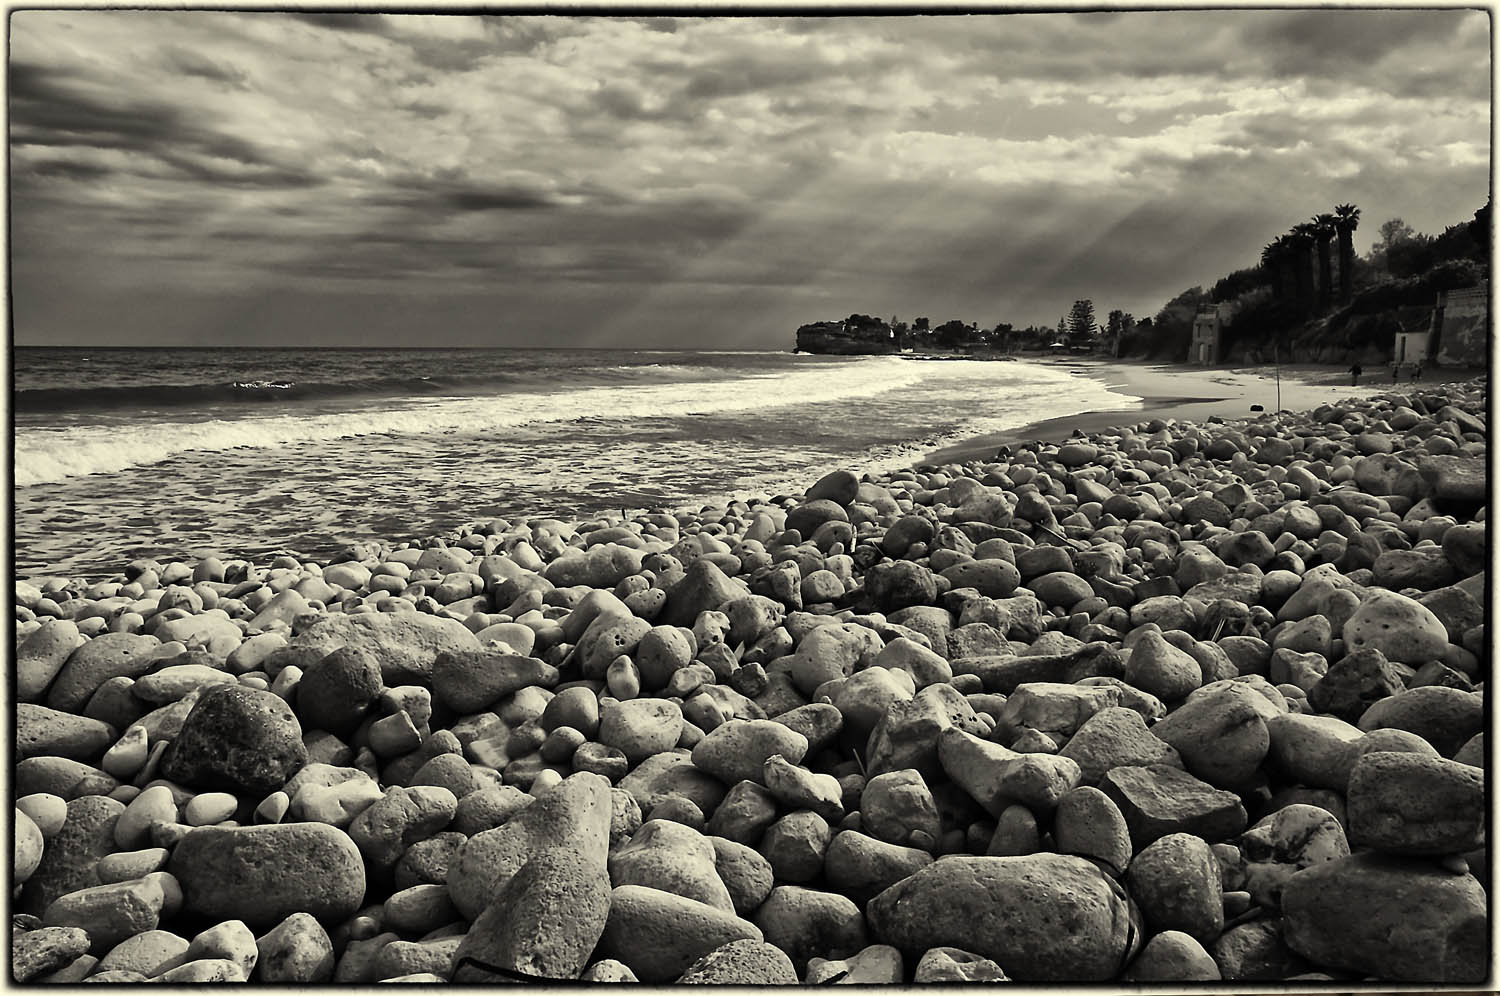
column 174, row 453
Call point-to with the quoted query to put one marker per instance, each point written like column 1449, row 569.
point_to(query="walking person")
column 1395, row 372
column 1354, row 372
column 1416, row 372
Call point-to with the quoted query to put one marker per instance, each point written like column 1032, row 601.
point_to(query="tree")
column 1391, row 233
column 1479, row 230
column 1173, row 329
column 1302, row 239
column 921, row 325
column 1346, row 220
column 1272, row 260
column 952, row 334
column 1081, row 321
column 1062, row 326
column 1323, row 230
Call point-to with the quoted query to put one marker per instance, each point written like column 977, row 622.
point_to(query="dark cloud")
column 49, row 109
column 418, row 194
column 191, row 63
column 354, row 23
column 65, row 169
column 1331, row 42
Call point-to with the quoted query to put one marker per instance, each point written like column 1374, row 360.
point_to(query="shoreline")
column 1185, row 393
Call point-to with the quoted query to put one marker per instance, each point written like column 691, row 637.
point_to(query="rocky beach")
column 1200, row 698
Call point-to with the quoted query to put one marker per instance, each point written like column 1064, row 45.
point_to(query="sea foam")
column 44, row 455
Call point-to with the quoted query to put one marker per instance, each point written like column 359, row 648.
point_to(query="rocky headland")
column 1169, row 703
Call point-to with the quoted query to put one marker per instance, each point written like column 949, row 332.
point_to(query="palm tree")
column 1270, row 261
column 1302, row 238
column 1346, row 220
column 1324, row 227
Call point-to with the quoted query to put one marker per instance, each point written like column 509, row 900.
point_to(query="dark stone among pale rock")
column 1354, row 683
column 1157, row 800
column 545, row 920
column 899, row 585
column 1010, row 910
column 236, row 739
column 1416, row 922
column 264, row 874
column 335, row 693
column 703, row 588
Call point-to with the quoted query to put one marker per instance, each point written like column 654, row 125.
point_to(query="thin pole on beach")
column 1276, row 349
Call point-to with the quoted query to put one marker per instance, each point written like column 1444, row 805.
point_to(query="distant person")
column 1354, row 372
column 1416, row 372
column 1395, row 372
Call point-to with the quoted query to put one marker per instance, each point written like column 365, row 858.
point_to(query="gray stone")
column 659, row 935
column 1416, row 923
column 264, row 874
column 1009, row 910
column 544, row 921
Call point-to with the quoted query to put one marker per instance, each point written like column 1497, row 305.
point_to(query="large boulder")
column 1013, row 910
column 544, row 922
column 264, row 874
column 659, row 935
column 405, row 643
column 236, row 739
column 575, row 813
column 1415, row 922
column 1401, row 628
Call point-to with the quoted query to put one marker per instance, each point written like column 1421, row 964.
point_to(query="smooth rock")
column 1009, row 910
column 263, row 874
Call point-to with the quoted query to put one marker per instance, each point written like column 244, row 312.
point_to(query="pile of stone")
column 1173, row 703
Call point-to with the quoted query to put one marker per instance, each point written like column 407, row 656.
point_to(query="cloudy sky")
column 242, row 178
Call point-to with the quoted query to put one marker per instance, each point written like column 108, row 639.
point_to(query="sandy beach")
column 1179, row 391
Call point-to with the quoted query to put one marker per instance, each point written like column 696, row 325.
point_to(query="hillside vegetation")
column 1310, row 298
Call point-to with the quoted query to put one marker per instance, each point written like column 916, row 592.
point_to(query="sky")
column 241, row 178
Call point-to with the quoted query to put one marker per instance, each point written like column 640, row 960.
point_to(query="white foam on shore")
column 55, row 454
column 1083, row 394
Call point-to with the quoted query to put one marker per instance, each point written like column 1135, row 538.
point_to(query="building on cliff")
column 1208, row 336
column 1460, row 331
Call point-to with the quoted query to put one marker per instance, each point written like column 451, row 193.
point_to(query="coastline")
column 1182, row 392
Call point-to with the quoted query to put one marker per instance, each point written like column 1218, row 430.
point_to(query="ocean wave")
column 44, row 455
